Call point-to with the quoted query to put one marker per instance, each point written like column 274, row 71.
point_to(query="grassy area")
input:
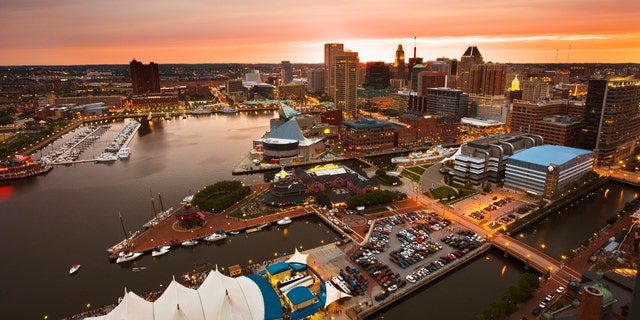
column 444, row 192
column 417, row 169
column 411, row 175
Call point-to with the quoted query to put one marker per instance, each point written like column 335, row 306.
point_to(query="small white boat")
column 160, row 251
column 106, row 157
column 190, row 243
column 124, row 153
column 234, row 232
column 186, row 200
column 215, row 237
column 74, row 268
column 127, row 256
column 284, row 221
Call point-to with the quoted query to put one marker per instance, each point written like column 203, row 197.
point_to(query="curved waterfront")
column 70, row 216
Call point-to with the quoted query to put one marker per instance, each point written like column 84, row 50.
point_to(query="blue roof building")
column 547, row 170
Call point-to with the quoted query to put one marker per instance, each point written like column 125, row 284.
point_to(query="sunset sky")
column 64, row 32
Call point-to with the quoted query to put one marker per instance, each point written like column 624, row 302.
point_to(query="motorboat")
column 74, row 268
column 234, row 232
column 127, row 256
column 106, row 157
column 215, row 237
column 160, row 251
column 189, row 243
column 124, row 153
column 284, row 221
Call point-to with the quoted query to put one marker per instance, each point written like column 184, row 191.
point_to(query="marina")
column 161, row 163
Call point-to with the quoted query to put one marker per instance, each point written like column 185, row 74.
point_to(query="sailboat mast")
column 124, row 230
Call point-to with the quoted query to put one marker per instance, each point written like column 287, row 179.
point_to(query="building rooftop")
column 549, row 154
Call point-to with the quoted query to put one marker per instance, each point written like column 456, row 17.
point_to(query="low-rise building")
column 547, row 170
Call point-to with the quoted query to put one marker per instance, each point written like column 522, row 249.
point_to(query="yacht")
column 189, row 243
column 215, row 237
column 160, row 251
column 124, row 153
column 127, row 256
column 284, row 221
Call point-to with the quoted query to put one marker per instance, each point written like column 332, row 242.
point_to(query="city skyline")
column 70, row 32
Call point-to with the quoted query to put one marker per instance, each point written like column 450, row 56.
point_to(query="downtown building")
column 440, row 101
column 471, row 57
column 485, row 159
column 362, row 135
column 330, row 51
column 346, row 83
column 145, row 80
column 611, row 119
column 547, row 170
column 547, row 118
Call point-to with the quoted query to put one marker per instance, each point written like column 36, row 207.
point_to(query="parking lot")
column 405, row 250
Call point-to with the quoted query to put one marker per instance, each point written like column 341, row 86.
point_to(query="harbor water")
column 71, row 215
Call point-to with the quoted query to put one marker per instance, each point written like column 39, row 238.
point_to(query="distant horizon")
column 81, row 32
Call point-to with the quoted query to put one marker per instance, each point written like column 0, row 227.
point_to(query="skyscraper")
column 399, row 64
column 611, row 119
column 346, row 83
column 145, row 79
column 377, row 75
column 287, row 72
column 487, row 79
column 315, row 80
column 471, row 57
column 330, row 50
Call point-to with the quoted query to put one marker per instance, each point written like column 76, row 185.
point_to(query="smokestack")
column 414, row 49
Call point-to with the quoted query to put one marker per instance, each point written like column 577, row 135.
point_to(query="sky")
column 77, row 32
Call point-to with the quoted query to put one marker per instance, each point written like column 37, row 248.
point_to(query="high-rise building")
column 330, row 50
column 415, row 73
column 145, row 79
column 548, row 119
column 470, row 58
column 611, row 119
column 253, row 76
column 315, row 80
column 399, row 65
column 346, row 83
column 287, row 72
column 441, row 101
column 430, row 79
column 487, row 79
column 377, row 75
column 534, row 89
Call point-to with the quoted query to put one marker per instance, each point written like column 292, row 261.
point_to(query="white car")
column 560, row 289
column 410, row 278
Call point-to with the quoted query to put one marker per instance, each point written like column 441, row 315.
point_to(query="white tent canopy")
column 224, row 298
column 298, row 257
column 333, row 294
